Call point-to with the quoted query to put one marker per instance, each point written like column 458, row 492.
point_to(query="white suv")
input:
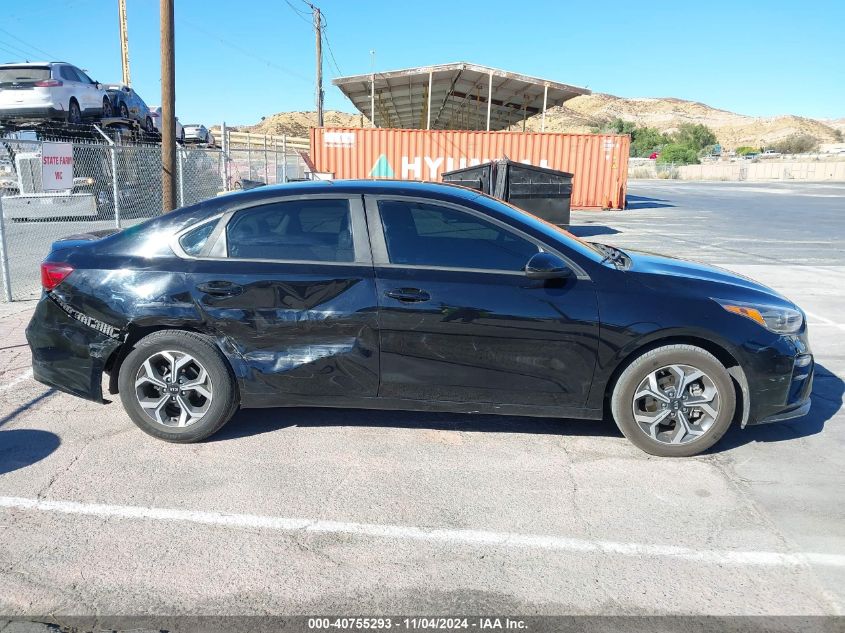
column 50, row 90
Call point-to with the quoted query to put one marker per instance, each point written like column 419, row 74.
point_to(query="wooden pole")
column 319, row 43
column 168, row 108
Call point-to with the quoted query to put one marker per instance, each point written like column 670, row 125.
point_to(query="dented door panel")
column 300, row 329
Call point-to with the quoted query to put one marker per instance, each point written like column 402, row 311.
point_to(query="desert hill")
column 585, row 113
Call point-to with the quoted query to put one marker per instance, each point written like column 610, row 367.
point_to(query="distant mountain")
column 298, row 123
column 583, row 114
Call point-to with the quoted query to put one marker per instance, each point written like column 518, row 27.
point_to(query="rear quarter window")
column 193, row 242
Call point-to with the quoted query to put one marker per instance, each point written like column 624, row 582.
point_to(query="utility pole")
column 168, row 108
column 319, row 43
column 124, row 41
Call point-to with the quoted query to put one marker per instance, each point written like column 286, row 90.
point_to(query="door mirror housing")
column 546, row 266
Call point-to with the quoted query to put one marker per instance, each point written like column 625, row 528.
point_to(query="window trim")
column 379, row 243
column 217, row 240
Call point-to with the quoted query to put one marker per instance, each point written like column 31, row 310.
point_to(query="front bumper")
column 69, row 350
column 780, row 380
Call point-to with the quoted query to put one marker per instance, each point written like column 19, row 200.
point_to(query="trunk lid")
column 81, row 239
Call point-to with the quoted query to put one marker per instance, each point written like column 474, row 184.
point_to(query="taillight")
column 48, row 83
column 52, row 274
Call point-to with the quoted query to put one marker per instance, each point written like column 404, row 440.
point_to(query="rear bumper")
column 34, row 112
column 68, row 352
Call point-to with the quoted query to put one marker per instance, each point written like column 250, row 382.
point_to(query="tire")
column 74, row 114
column 163, row 349
column 686, row 426
column 124, row 111
column 107, row 108
column 149, row 126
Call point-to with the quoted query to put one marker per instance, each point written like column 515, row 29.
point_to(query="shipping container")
column 599, row 162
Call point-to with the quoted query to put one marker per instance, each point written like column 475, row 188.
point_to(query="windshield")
column 23, row 74
column 587, row 249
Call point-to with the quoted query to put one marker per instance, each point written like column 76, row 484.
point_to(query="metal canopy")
column 453, row 96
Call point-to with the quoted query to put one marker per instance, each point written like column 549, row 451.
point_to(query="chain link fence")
column 114, row 185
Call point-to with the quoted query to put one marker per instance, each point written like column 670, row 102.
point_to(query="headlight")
column 776, row 319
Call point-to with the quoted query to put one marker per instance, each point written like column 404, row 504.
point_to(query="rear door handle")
column 220, row 288
column 408, row 295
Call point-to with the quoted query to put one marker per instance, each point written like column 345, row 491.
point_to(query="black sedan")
column 402, row 295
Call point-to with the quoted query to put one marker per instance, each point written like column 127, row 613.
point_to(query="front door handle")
column 220, row 288
column 408, row 295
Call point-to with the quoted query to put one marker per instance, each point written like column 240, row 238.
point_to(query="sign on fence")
column 56, row 166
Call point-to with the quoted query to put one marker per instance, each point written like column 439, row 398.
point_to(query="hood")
column 681, row 270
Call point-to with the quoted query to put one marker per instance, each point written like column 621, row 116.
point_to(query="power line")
column 331, row 52
column 17, row 50
column 300, row 14
column 28, row 45
column 8, row 50
column 244, row 51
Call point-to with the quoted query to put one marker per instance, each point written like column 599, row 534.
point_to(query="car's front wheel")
column 177, row 386
column 674, row 401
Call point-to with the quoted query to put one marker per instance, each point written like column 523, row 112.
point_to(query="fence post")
column 266, row 166
column 249, row 154
column 4, row 257
column 275, row 160
column 180, row 172
column 225, row 156
column 285, row 157
column 115, row 190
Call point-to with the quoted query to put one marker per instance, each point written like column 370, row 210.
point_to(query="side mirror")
column 546, row 266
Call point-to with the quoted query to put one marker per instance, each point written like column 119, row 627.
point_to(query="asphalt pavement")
column 341, row 511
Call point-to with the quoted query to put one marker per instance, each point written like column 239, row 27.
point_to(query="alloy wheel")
column 173, row 388
column 676, row 404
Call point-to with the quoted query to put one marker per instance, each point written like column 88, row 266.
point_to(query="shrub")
column 678, row 154
column 694, row 136
column 645, row 140
column 796, row 144
column 745, row 149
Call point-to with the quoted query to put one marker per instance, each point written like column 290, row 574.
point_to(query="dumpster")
column 546, row 193
column 478, row 177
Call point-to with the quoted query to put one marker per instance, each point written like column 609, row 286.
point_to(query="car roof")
column 30, row 64
column 362, row 187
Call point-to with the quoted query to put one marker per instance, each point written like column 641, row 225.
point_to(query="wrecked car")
column 409, row 296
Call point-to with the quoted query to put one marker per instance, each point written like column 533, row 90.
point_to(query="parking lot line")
column 16, row 380
column 824, row 320
column 455, row 536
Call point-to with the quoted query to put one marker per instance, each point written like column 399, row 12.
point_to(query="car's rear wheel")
column 124, row 111
column 74, row 114
column 674, row 401
column 149, row 126
column 177, row 386
column 107, row 109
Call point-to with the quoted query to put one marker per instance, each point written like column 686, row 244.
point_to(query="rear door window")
column 69, row 74
column 422, row 234
column 82, row 76
column 296, row 230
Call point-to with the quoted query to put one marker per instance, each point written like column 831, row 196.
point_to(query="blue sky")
column 240, row 60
